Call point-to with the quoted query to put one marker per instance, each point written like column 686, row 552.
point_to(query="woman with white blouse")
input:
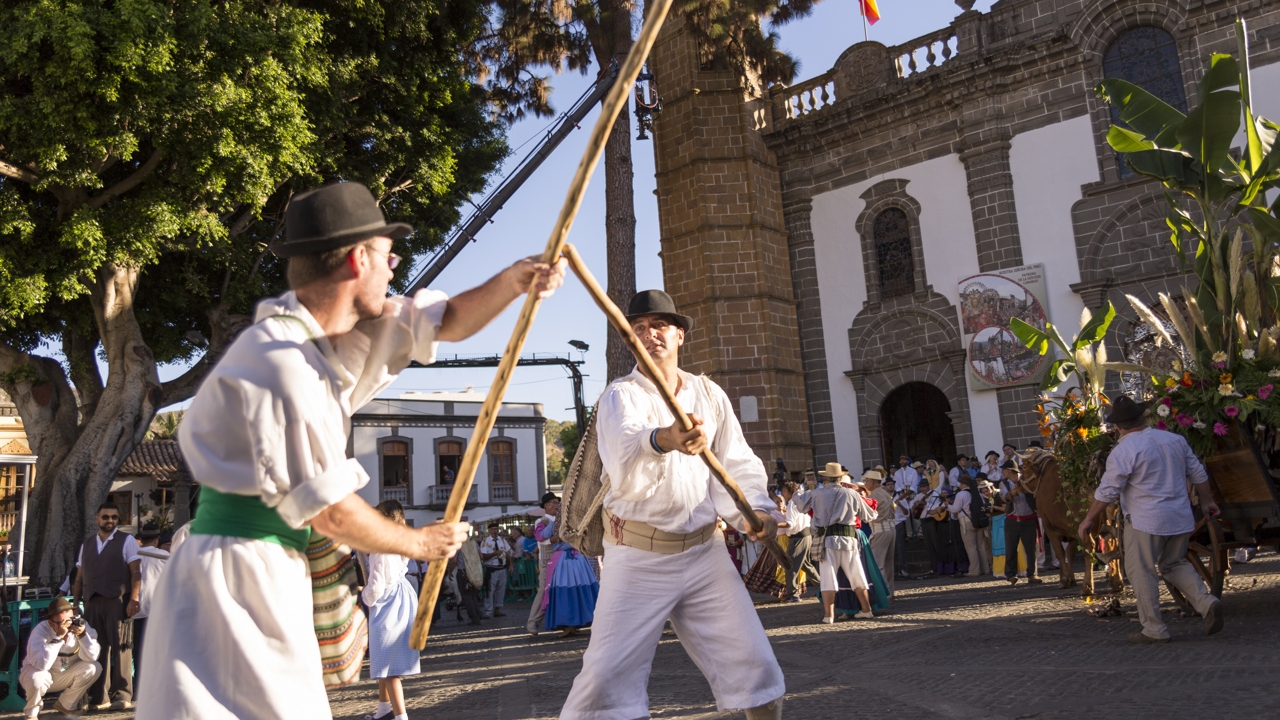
column 392, row 605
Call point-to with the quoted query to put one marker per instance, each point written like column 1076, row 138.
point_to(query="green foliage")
column 1203, row 403
column 1234, row 306
column 1086, row 354
column 165, row 426
column 170, row 135
column 1072, row 427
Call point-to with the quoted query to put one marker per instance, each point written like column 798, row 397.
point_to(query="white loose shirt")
column 385, row 572
column 44, row 647
column 492, row 545
column 797, row 522
column 1148, row 472
column 906, row 477
column 153, row 563
column 272, row 418
column 674, row 492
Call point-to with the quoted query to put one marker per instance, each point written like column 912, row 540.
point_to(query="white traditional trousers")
column 850, row 560
column 977, row 546
column 231, row 636
column 702, row 593
column 882, row 548
column 1147, row 559
column 71, row 681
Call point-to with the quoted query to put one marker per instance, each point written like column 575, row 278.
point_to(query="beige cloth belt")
column 643, row 536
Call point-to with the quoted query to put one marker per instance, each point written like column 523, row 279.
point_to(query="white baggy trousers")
column 702, row 593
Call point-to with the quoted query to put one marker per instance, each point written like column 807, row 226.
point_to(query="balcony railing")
column 399, row 494
column 502, row 493
column 438, row 496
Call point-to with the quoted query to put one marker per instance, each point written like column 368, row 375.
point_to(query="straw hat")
column 834, row 470
column 872, row 475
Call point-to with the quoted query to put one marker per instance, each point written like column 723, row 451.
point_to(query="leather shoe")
column 1145, row 639
column 499, row 613
column 122, row 705
column 1213, row 618
column 57, row 707
column 1034, row 581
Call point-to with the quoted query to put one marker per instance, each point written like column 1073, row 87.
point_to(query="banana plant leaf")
column 1208, row 130
column 1154, row 118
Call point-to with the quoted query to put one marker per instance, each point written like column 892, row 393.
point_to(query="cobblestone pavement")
column 970, row 649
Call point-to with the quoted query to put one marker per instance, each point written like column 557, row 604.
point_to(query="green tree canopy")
column 147, row 152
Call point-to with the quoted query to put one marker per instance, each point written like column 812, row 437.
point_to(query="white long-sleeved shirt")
column 153, row 563
column 272, row 417
column 385, row 572
column 797, row 522
column 906, row 477
column 44, row 648
column 674, row 492
column 1148, row 472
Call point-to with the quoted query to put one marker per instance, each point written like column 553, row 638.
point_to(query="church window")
column 892, row 234
column 1148, row 58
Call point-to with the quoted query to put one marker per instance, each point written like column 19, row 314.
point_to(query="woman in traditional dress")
column 878, row 590
column 570, row 599
column 392, row 606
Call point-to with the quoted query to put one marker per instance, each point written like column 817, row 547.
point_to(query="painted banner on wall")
column 988, row 302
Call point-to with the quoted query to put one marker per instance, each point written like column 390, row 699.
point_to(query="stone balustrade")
column 809, row 97
column 927, row 53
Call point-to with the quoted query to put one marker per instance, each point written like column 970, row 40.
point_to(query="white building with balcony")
column 412, row 443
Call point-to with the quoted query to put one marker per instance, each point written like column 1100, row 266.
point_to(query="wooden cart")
column 1243, row 474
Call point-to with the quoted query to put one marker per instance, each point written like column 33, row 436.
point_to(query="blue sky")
column 522, row 227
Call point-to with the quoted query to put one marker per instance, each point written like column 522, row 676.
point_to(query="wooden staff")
column 620, row 323
column 614, row 103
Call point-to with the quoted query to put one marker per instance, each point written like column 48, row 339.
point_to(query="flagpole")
column 862, row 10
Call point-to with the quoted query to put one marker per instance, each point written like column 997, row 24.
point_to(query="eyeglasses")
column 393, row 260
column 110, row 517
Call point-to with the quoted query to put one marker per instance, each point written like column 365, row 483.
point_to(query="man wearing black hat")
column 230, row 633
column 1147, row 472
column 663, row 555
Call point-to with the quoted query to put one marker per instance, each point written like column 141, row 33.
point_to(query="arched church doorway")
column 914, row 422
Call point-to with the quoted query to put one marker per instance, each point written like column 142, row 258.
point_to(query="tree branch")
column 81, row 353
column 225, row 329
column 18, row 173
column 129, row 183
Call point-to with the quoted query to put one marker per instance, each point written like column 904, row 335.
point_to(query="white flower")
column 1163, row 411
column 1219, row 356
column 1198, row 424
column 1177, row 366
column 1246, row 354
column 1274, row 373
column 1226, row 389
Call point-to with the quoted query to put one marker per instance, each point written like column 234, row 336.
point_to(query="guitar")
column 940, row 514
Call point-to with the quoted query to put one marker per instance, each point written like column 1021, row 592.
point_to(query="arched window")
column 1147, row 57
column 502, row 474
column 892, row 235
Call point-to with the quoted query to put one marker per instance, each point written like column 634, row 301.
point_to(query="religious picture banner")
column 987, row 303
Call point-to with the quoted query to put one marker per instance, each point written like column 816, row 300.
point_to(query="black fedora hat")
column 1125, row 411
column 657, row 302
column 330, row 217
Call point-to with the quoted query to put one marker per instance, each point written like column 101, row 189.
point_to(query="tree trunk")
column 612, row 40
column 78, row 461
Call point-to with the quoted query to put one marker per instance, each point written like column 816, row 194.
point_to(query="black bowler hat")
column 331, row 217
column 656, row 302
column 1125, row 411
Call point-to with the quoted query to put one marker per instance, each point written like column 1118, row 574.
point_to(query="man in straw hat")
column 1147, row 472
column 663, row 556
column 61, row 657
column 230, row 633
column 836, row 510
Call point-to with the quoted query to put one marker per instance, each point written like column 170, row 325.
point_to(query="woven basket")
column 581, row 522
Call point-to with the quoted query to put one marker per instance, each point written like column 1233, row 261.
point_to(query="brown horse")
column 1040, row 476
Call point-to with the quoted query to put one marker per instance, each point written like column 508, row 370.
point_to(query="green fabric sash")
column 244, row 516
column 830, row 530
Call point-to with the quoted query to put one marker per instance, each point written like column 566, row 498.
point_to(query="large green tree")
column 148, row 151
column 527, row 34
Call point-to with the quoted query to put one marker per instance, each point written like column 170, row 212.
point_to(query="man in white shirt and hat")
column 663, row 555
column 883, row 525
column 62, row 654
column 230, row 633
column 836, row 512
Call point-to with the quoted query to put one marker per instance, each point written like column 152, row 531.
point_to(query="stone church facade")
column 818, row 232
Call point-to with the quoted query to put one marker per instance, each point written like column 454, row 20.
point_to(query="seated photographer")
column 62, row 655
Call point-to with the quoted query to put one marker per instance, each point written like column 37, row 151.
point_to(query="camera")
column 77, row 622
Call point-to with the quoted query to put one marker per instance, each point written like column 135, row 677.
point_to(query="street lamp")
column 579, row 345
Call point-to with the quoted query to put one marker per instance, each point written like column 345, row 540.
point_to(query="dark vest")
column 105, row 573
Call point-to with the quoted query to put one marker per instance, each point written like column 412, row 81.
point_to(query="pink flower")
column 1219, row 429
column 1185, row 420
column 1232, row 411
column 1167, row 401
column 1264, row 391
column 1220, row 365
column 1161, row 426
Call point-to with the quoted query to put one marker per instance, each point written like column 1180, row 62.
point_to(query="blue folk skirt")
column 572, row 592
column 390, row 622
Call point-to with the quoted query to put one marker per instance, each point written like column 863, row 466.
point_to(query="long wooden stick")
column 619, row 323
column 614, row 103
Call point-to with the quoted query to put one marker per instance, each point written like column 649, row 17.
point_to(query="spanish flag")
column 870, row 11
